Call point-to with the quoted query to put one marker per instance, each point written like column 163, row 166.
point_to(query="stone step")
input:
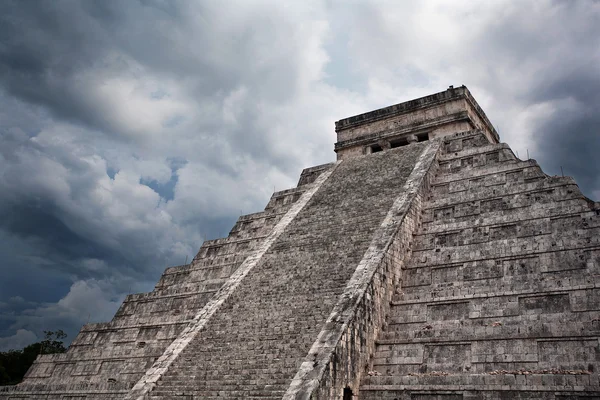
column 471, row 280
column 468, row 151
column 493, row 185
column 576, row 382
column 309, row 175
column 501, row 173
column 540, row 191
column 520, row 228
column 233, row 248
column 215, row 395
column 464, row 140
column 219, row 262
column 491, row 328
column 572, row 208
column 132, row 350
column 234, row 387
column 524, row 247
column 200, row 383
column 199, row 287
column 480, row 161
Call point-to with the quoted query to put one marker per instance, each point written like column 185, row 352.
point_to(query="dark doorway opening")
column 398, row 143
column 376, row 148
column 421, row 137
column 347, row 394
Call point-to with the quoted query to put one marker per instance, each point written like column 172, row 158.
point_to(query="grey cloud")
column 571, row 140
column 557, row 58
column 53, row 51
column 76, row 200
column 19, row 340
column 83, row 298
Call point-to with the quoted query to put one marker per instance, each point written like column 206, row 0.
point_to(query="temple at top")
column 430, row 117
column 428, row 262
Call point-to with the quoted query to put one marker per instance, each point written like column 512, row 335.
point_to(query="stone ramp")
column 253, row 346
column 501, row 299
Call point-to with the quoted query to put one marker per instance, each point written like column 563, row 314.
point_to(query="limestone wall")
column 500, row 299
column 427, row 114
column 441, row 114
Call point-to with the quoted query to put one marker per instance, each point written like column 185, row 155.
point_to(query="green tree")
column 15, row 363
column 53, row 342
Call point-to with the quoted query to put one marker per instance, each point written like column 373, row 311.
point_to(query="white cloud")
column 20, row 339
column 84, row 299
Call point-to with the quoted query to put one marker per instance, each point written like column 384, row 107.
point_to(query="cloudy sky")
column 130, row 131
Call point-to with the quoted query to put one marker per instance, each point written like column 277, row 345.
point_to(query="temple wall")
column 435, row 116
column 410, row 119
column 500, row 299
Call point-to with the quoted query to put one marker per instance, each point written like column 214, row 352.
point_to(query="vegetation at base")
column 15, row 363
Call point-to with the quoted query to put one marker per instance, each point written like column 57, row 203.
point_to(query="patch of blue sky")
column 166, row 190
column 111, row 172
column 340, row 71
column 173, row 121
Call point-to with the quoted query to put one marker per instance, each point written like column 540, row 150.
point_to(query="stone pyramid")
column 427, row 263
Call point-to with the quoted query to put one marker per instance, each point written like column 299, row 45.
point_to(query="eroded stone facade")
column 427, row 263
column 430, row 117
column 500, row 299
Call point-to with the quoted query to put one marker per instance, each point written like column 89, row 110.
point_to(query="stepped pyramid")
column 428, row 262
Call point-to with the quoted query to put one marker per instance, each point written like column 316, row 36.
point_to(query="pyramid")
column 428, row 262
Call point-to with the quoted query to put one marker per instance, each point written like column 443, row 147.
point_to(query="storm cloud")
column 132, row 131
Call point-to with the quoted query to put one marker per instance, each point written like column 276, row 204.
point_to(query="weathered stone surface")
column 439, row 268
column 500, row 299
column 426, row 118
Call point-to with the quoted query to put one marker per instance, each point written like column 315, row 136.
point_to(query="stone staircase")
column 501, row 299
column 253, row 346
